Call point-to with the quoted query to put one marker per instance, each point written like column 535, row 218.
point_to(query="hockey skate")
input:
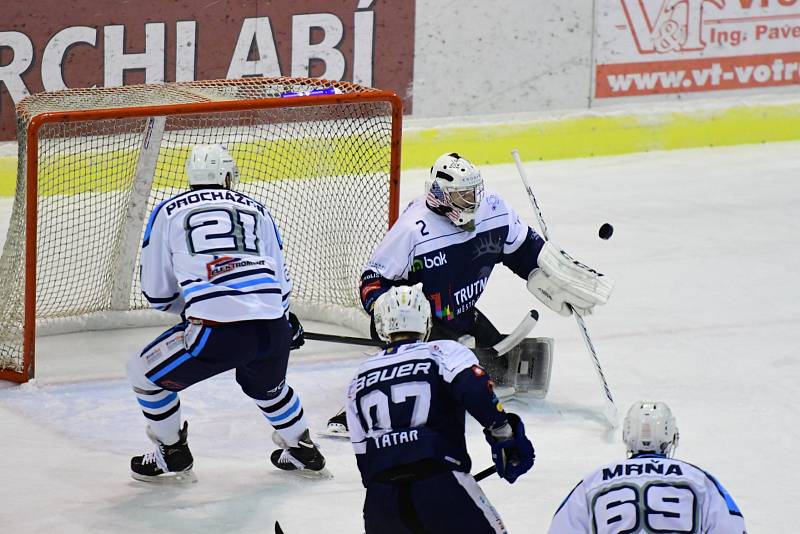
column 304, row 459
column 167, row 463
column 337, row 426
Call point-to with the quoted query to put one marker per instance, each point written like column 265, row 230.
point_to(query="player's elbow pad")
column 373, row 286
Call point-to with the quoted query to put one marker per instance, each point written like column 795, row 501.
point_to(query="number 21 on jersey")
column 222, row 230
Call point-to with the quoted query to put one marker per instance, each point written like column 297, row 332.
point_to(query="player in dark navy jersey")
column 450, row 240
column 406, row 411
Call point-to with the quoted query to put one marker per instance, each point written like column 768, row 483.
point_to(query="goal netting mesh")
column 322, row 165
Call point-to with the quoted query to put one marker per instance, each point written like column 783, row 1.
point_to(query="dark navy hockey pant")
column 449, row 502
column 258, row 350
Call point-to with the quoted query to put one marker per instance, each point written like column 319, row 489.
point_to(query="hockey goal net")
column 93, row 163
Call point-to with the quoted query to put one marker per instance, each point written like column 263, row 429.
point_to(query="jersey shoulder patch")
column 452, row 357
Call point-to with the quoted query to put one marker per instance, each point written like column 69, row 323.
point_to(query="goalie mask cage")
column 93, row 163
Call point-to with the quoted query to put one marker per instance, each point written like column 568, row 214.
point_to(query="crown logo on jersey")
column 487, row 245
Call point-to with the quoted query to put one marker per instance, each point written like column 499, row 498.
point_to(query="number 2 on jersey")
column 221, row 230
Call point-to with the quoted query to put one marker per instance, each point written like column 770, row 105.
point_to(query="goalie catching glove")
column 561, row 282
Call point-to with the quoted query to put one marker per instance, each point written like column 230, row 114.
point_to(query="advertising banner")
column 646, row 47
column 55, row 44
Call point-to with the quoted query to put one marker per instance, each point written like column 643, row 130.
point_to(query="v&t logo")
column 429, row 262
column 677, row 26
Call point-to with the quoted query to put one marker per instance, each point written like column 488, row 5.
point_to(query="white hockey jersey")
column 215, row 254
column 646, row 494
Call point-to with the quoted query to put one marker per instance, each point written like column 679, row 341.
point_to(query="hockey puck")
column 606, row 231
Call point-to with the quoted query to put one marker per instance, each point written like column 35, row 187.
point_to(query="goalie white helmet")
column 650, row 427
column 455, row 189
column 403, row 309
column 211, row 165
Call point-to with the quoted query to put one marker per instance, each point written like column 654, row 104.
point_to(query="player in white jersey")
column 214, row 257
column 450, row 240
column 650, row 491
column 406, row 409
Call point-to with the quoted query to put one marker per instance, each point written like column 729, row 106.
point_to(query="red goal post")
column 323, row 156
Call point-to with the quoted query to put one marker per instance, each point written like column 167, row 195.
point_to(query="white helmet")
column 403, row 309
column 650, row 427
column 211, row 165
column 455, row 189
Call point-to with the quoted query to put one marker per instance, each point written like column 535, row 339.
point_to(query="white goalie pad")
column 524, row 371
column 530, row 366
column 561, row 280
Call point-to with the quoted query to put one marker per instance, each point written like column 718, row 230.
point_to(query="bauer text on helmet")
column 455, row 189
column 650, row 427
column 403, row 310
column 211, row 165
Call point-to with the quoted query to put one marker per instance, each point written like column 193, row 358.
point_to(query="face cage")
column 464, row 202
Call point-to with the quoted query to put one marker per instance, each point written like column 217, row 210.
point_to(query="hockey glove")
column 561, row 280
column 512, row 451
column 298, row 334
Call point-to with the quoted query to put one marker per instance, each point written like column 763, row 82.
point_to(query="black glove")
column 298, row 337
column 512, row 451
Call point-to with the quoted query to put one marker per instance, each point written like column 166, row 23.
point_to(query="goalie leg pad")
column 533, row 359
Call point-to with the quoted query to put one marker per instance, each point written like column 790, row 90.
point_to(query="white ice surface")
column 706, row 310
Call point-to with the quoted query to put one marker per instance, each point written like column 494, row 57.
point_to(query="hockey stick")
column 333, row 338
column 507, row 343
column 486, row 473
column 610, row 410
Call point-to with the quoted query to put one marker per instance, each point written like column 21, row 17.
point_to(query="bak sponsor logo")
column 426, row 262
column 226, row 264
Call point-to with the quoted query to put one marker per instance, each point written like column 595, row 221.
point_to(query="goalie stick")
column 610, row 410
column 506, row 344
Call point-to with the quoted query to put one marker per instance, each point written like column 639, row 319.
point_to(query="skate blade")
column 178, row 478
column 322, row 474
column 334, row 432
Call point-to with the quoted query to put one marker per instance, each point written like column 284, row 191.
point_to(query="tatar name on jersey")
column 453, row 265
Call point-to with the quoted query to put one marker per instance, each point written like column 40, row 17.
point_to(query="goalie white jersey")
column 214, row 254
column 648, row 493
